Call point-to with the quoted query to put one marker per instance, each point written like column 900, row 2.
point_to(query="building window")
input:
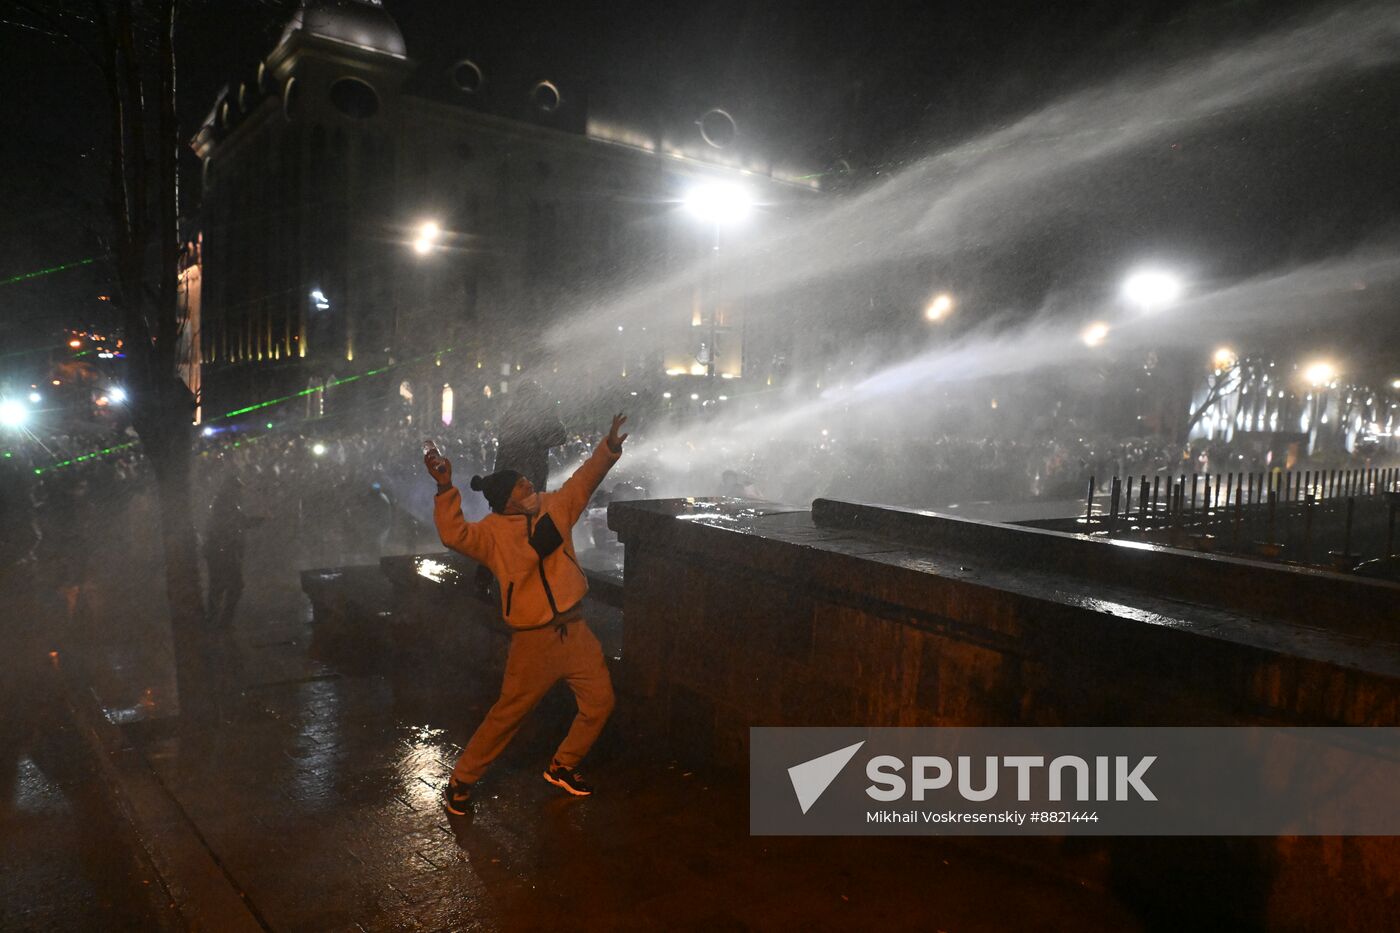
column 717, row 128
column 354, row 98
column 545, row 96
column 291, row 96
column 467, row 76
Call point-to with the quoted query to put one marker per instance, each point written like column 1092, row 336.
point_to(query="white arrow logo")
column 811, row 778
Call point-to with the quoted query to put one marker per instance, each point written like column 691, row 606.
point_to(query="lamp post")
column 1151, row 290
column 1319, row 375
column 718, row 204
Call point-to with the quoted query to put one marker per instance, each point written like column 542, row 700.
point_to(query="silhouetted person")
column 223, row 552
column 527, row 430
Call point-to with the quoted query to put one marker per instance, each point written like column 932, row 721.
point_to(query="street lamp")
column 1225, row 358
column 428, row 233
column 1320, row 373
column 1151, row 289
column 939, row 307
column 720, row 204
column 1095, row 334
column 13, row 414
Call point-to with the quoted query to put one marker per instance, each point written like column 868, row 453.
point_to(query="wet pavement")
column 314, row 798
column 59, row 865
column 321, row 800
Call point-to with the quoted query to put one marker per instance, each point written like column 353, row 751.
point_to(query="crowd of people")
column 346, row 493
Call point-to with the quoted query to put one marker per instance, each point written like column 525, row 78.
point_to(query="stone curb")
column 201, row 893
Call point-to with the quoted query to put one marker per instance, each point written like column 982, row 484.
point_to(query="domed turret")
column 364, row 24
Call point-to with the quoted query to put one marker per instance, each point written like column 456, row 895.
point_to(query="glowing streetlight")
column 13, row 414
column 939, row 307
column 1095, row 334
column 1395, row 383
column 75, row 343
column 117, row 394
column 1151, row 289
column 428, row 233
column 1225, row 358
column 318, row 449
column 35, row 398
column 718, row 202
column 1320, row 373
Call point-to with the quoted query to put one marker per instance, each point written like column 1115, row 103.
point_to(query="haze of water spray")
column 897, row 393
column 995, row 184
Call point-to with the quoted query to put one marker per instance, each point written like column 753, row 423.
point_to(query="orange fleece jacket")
column 533, row 591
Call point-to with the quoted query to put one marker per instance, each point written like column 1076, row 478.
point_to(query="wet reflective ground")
column 62, row 865
column 316, row 790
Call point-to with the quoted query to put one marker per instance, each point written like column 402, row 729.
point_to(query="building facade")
column 361, row 215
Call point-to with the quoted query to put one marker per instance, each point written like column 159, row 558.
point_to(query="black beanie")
column 496, row 488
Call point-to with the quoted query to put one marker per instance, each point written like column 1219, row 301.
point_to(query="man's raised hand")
column 439, row 467
column 614, row 439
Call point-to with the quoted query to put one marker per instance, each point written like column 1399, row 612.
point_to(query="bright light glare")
column 318, row 449
column 35, row 398
column 1151, row 289
column 75, row 344
column 1320, row 373
column 1095, row 334
column 12, row 414
column 428, row 232
column 208, row 432
column 117, row 394
column 1225, row 358
column 939, row 307
column 718, row 202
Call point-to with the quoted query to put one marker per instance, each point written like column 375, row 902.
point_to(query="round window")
column 354, row 98
column 717, row 128
column 467, row 76
column 545, row 96
column 291, row 96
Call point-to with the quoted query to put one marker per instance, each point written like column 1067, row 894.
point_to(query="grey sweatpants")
column 538, row 660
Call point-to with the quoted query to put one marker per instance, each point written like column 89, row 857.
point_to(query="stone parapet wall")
column 738, row 615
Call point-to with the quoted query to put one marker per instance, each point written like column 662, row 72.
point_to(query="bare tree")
column 132, row 44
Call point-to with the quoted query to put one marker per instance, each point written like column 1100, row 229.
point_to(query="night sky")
column 876, row 83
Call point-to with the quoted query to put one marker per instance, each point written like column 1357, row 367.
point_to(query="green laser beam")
column 50, row 271
column 39, row 471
